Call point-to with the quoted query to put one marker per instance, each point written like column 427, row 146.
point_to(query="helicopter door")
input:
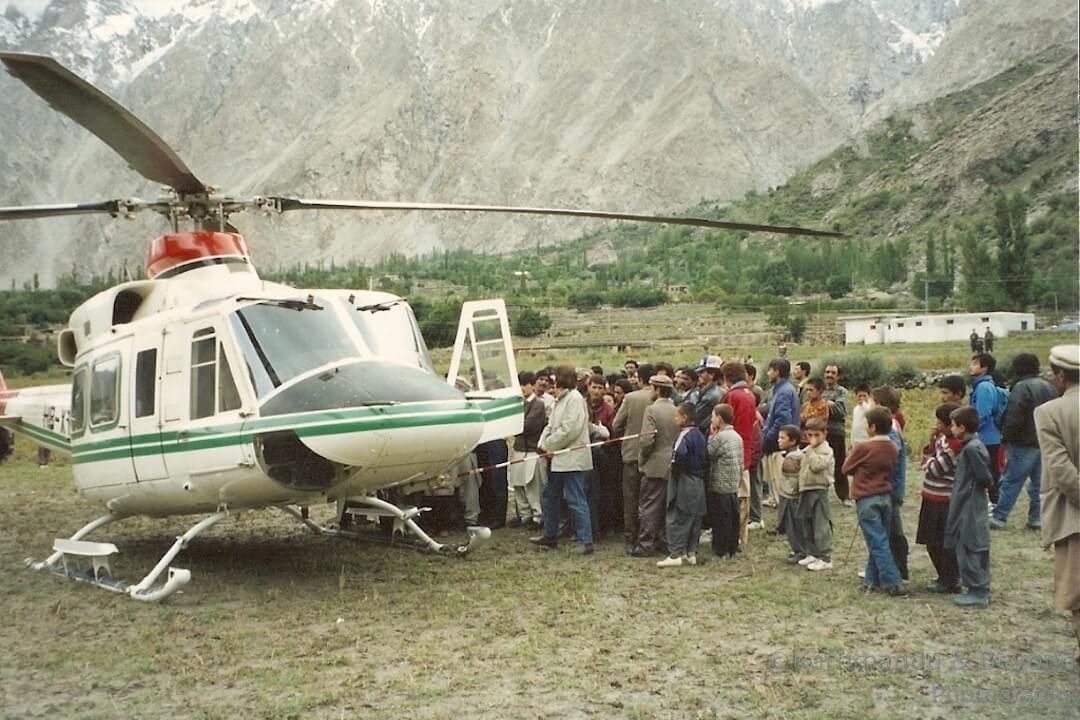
column 146, row 420
column 483, row 367
column 201, row 405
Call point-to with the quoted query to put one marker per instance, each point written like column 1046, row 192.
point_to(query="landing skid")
column 402, row 522
column 101, row 575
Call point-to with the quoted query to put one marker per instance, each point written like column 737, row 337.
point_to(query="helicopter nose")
column 380, row 416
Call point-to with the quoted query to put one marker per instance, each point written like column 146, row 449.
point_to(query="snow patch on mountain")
column 922, row 44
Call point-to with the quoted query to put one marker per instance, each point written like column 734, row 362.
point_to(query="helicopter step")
column 99, row 553
column 403, row 523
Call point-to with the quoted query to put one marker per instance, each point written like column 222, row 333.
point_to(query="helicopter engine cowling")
column 174, row 253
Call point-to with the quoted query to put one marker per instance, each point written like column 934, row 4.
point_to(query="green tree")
column 796, row 327
column 584, row 300
column 775, row 278
column 528, row 322
column 838, row 286
column 980, row 287
column 1013, row 257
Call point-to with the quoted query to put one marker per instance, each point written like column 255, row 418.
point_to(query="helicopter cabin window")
column 78, row 401
column 213, row 389
column 145, row 382
column 104, row 391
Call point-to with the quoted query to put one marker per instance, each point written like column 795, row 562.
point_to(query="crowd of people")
column 672, row 457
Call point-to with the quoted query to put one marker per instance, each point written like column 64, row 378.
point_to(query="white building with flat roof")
column 887, row 328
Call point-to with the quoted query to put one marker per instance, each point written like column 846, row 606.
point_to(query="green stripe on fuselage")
column 310, row 425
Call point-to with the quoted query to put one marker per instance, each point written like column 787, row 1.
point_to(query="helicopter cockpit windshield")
column 389, row 329
column 282, row 340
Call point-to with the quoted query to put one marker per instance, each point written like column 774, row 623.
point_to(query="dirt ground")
column 278, row 623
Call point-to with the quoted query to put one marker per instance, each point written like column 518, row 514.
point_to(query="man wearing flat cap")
column 658, row 435
column 1057, row 424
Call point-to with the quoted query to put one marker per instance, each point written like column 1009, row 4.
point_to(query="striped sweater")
column 939, row 468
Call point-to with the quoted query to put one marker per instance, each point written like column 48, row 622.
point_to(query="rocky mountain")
column 629, row 105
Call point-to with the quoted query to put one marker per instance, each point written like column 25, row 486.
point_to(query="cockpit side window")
column 78, row 401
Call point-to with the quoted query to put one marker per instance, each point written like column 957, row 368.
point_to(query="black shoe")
column 544, row 541
column 640, row 552
column 584, row 549
column 515, row 523
column 897, row 591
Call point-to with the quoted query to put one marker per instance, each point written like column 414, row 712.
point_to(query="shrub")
column 838, row 286
column 25, row 359
column 903, row 375
column 638, row 296
column 855, row 369
column 584, row 300
column 527, row 322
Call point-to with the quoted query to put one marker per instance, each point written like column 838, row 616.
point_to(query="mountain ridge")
column 620, row 105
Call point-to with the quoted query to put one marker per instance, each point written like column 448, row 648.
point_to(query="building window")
column 918, row 323
column 899, row 325
column 986, row 319
column 873, row 327
column 949, row 321
column 212, row 387
column 1023, row 324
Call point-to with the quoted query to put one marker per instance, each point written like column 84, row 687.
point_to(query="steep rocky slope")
column 639, row 105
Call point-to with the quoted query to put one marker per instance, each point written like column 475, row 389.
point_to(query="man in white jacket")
column 568, row 427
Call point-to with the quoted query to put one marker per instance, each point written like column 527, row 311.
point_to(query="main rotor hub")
column 174, row 253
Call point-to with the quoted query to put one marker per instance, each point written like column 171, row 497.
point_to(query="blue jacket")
column 690, row 456
column 899, row 475
column 686, row 482
column 984, row 398
column 783, row 410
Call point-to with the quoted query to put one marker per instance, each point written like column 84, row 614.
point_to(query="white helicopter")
column 205, row 390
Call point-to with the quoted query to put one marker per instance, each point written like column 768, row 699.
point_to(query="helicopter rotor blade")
column 26, row 212
column 286, row 204
column 113, row 124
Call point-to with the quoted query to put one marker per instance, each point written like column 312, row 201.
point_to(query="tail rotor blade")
column 113, row 124
column 286, row 204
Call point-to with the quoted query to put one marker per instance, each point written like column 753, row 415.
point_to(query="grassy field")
column 278, row 623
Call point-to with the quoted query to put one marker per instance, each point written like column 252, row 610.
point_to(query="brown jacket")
column 871, row 464
column 658, row 435
column 628, row 421
column 1058, row 426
